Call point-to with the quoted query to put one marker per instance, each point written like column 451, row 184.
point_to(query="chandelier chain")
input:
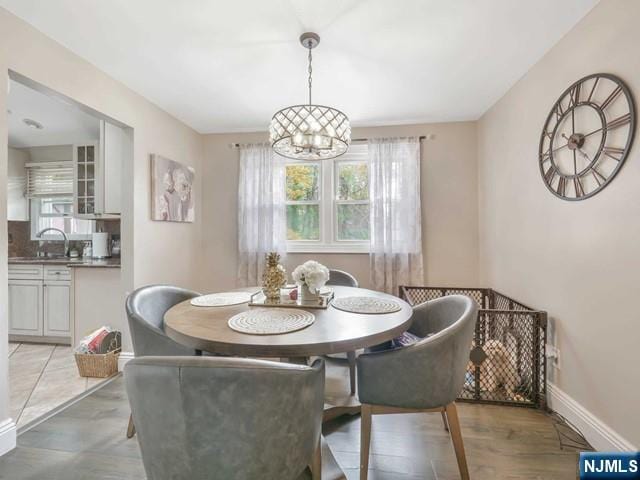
column 310, row 70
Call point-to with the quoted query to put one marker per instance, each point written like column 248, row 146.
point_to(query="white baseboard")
column 601, row 437
column 123, row 359
column 7, row 436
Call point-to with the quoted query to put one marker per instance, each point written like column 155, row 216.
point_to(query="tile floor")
column 42, row 377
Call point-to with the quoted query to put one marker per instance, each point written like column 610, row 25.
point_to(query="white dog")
column 498, row 369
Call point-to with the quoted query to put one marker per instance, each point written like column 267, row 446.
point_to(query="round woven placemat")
column 221, row 299
column 271, row 321
column 366, row 305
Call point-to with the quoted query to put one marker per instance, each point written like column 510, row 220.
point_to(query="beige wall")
column 164, row 252
column 18, row 205
column 577, row 260
column 449, row 215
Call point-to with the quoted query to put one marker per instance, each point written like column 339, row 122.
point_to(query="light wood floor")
column 87, row 442
column 42, row 377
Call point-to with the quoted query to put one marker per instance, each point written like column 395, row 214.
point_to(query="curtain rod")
column 420, row 138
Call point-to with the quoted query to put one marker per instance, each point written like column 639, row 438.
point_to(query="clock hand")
column 561, row 146
column 584, row 154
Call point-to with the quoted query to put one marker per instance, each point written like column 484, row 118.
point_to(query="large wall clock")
column 587, row 136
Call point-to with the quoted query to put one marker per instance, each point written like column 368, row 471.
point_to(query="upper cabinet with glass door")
column 98, row 174
column 85, row 159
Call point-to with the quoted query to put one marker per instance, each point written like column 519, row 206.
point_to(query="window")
column 303, row 201
column 328, row 204
column 56, row 212
column 352, row 200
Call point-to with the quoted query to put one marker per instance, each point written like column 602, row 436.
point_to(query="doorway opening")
column 68, row 200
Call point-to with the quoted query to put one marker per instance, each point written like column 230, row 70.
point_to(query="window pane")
column 303, row 222
column 353, row 221
column 56, row 213
column 70, row 226
column 302, row 182
column 56, row 206
column 353, row 181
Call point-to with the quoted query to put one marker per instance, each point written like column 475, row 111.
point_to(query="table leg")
column 338, row 398
column 330, row 468
column 338, row 402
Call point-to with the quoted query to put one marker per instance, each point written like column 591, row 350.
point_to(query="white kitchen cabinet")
column 26, row 315
column 40, row 301
column 85, row 170
column 98, row 174
column 25, row 272
column 57, row 309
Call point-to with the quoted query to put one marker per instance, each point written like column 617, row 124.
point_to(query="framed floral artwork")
column 172, row 196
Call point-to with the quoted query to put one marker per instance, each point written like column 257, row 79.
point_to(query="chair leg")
column 351, row 357
column 131, row 428
column 365, row 440
column 316, row 467
column 456, row 438
column 444, row 420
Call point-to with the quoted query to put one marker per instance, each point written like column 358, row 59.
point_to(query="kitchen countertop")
column 69, row 262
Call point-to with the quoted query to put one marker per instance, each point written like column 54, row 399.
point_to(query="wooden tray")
column 259, row 300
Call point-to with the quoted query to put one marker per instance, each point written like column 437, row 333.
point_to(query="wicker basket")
column 97, row 364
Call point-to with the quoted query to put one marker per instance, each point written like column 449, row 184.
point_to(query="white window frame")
column 328, row 205
column 318, row 202
column 36, row 213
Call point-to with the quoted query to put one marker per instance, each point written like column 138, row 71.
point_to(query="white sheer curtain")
column 396, row 233
column 261, row 210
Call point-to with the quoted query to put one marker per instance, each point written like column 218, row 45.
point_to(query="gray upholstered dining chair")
column 426, row 376
column 345, row 279
column 145, row 308
column 342, row 278
column 227, row 418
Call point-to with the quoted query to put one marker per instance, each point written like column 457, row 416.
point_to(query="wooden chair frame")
column 451, row 423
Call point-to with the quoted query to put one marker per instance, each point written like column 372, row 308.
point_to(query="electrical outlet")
column 553, row 353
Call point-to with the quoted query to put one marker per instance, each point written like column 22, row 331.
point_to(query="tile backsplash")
column 21, row 245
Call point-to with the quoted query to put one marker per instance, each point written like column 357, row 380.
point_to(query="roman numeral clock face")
column 587, row 137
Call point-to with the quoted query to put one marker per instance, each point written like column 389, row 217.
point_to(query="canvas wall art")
column 172, row 196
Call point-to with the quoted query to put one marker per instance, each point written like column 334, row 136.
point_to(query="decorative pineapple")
column 274, row 276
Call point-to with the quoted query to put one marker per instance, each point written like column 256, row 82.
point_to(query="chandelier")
column 310, row 132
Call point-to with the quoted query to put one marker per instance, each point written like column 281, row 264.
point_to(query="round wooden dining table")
column 333, row 331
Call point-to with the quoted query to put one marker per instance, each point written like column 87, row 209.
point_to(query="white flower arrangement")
column 312, row 274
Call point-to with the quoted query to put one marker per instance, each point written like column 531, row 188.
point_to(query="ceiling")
column 223, row 66
column 63, row 124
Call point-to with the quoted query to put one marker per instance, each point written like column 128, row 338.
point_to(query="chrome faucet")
column 66, row 239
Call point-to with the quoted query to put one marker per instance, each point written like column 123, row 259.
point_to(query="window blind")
column 49, row 180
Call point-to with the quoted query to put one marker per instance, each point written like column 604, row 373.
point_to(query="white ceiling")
column 64, row 124
column 222, row 66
